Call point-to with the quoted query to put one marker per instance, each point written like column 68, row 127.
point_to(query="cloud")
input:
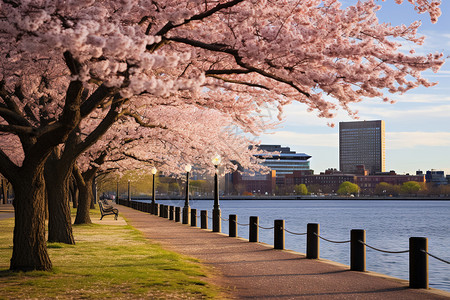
column 291, row 139
column 403, row 140
column 394, row 140
column 410, row 114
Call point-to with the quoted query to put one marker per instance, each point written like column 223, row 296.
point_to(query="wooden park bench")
column 106, row 209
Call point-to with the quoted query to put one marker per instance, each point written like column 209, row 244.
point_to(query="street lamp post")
column 217, row 224
column 117, row 193
column 129, row 194
column 152, row 208
column 186, row 208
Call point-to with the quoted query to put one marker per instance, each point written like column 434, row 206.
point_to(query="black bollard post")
column 177, row 214
column 193, row 217
column 253, row 235
column 418, row 263
column 171, row 212
column 204, row 219
column 161, row 210
column 156, row 209
column 166, row 212
column 357, row 250
column 312, row 241
column 278, row 234
column 232, row 226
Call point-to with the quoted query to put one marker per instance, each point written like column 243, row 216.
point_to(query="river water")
column 388, row 224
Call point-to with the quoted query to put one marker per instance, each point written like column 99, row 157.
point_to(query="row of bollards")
column 418, row 246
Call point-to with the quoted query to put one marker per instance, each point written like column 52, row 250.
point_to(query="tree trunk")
column 57, row 184
column 85, row 197
column 91, row 184
column 5, row 190
column 29, row 245
column 73, row 193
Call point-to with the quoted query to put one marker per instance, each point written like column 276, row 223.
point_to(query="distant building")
column 329, row 181
column 362, row 143
column 281, row 161
column 436, row 177
column 256, row 184
column 368, row 184
column 286, row 161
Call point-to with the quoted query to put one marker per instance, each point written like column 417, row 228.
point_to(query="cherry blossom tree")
column 64, row 61
column 184, row 135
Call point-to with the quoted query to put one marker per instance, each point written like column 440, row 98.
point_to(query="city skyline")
column 417, row 127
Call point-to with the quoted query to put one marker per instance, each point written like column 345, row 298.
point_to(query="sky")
column 417, row 125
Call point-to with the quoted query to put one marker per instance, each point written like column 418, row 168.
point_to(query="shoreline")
column 270, row 198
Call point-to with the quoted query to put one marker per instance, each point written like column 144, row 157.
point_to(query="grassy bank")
column 107, row 262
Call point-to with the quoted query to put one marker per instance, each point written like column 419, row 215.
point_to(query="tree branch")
column 227, row 72
column 240, row 82
column 97, row 97
column 104, row 125
column 7, row 167
column 139, row 120
column 227, row 49
column 17, row 129
column 169, row 26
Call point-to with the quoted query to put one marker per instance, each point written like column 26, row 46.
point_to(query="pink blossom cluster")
column 213, row 63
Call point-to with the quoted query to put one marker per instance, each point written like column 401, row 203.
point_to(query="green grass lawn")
column 108, row 261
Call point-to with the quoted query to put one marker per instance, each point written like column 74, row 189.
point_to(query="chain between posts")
column 336, row 242
column 240, row 223
column 268, row 228
column 435, row 257
column 384, row 251
column 294, row 233
column 224, row 219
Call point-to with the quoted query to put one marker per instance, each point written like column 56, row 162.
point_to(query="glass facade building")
column 362, row 143
column 285, row 161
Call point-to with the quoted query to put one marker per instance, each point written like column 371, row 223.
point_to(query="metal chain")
column 336, row 242
column 268, row 228
column 242, row 224
column 224, row 219
column 443, row 260
column 385, row 251
column 294, row 233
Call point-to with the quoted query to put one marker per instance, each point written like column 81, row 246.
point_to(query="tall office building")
column 362, row 143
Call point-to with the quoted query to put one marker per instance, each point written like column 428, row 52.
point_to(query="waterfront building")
column 328, row 182
column 436, row 177
column 362, row 143
column 255, row 184
column 368, row 184
column 280, row 160
column 283, row 160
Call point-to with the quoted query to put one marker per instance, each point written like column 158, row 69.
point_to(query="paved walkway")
column 6, row 211
column 255, row 270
